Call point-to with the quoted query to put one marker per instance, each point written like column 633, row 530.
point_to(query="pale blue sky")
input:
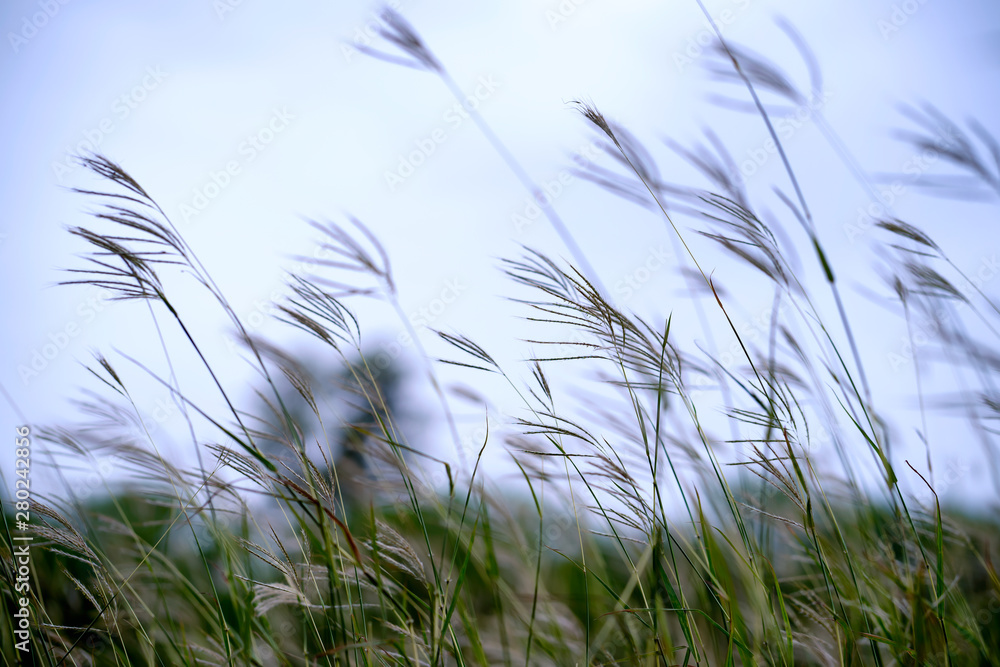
column 179, row 94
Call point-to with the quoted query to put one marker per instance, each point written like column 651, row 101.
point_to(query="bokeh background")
column 179, row 93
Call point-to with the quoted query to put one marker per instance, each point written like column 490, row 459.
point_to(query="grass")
column 644, row 529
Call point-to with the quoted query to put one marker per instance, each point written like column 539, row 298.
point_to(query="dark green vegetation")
column 639, row 536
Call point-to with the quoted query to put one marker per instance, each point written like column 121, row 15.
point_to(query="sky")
column 244, row 119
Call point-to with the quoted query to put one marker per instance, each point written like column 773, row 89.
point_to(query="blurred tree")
column 344, row 415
